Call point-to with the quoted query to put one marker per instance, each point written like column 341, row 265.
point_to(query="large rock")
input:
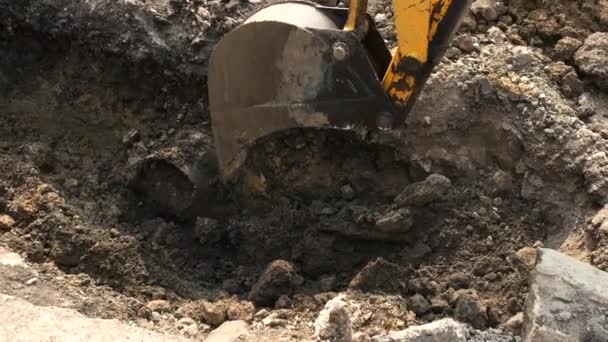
column 381, row 275
column 439, row 331
column 279, row 278
column 333, row 323
column 568, row 301
column 24, row 322
column 591, row 58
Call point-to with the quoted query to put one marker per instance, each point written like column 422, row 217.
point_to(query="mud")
column 109, row 179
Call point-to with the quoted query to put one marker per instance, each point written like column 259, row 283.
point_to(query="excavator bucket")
column 298, row 64
column 290, row 65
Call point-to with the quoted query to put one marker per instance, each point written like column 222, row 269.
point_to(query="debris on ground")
column 568, row 301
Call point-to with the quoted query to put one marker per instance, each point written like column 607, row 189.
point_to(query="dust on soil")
column 109, row 177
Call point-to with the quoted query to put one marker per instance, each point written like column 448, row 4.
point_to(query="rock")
column 6, row 222
column 431, row 189
column 469, row 309
column 439, row 331
column 488, row 9
column 333, row 323
column 131, row 137
column 347, row 192
column 572, row 86
column 566, row 47
column 499, row 184
column 283, row 302
column 41, row 155
column 240, row 311
column 273, row 320
column 593, row 103
column 439, row 305
column 261, row 314
column 452, row 53
column 419, row 304
column 204, row 311
column 514, row 324
column 595, row 169
column 229, row 332
column 159, row 306
column 380, row 275
column 22, row 321
column 396, row 221
column 496, row 34
column 465, row 42
column 279, row 278
column 207, row 230
column 600, row 221
column 567, row 301
column 591, row 58
column 527, row 256
column 327, row 283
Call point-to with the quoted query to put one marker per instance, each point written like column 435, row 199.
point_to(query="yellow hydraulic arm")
column 423, row 31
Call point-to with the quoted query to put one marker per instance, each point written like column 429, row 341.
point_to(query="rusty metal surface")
column 271, row 75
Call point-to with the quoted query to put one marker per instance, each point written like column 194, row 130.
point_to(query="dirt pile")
column 109, row 185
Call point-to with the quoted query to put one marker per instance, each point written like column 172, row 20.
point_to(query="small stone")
column 500, row 183
column 470, row 310
column 279, row 278
column 572, row 86
column 159, row 306
column 422, row 193
column 451, row 53
column 327, row 283
column 114, row 233
column 396, row 221
column 204, row 311
column 156, row 316
column 261, row 314
column 274, row 321
column 496, row 34
column 419, row 304
column 231, row 331
column 189, row 330
column 514, row 324
column 527, row 256
column 439, row 305
column 240, row 311
column 131, row 137
column 284, row 302
column 186, row 321
column 465, row 42
column 6, row 222
column 566, row 47
column 31, row 281
column 333, row 323
column 348, row 193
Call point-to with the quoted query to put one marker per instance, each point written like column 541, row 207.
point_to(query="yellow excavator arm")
column 298, row 64
column 423, row 31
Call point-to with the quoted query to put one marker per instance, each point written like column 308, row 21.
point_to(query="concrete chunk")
column 568, row 301
column 25, row 322
column 439, row 331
